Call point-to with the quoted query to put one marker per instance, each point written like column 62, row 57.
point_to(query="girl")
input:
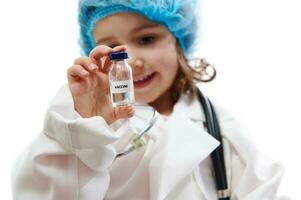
column 74, row 156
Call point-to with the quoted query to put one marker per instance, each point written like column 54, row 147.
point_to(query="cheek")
column 163, row 60
column 169, row 65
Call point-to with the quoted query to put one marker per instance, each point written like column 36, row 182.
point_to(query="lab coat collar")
column 191, row 107
column 183, row 145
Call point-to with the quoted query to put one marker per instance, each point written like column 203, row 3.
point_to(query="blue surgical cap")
column 179, row 16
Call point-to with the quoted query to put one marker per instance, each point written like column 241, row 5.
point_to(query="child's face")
column 151, row 49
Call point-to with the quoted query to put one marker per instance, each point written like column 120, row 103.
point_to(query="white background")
column 255, row 46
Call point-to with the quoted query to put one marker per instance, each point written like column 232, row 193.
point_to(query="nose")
column 135, row 61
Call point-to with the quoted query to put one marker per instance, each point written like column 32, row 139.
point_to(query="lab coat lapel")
column 186, row 144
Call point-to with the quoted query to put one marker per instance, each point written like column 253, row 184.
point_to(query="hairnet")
column 179, row 16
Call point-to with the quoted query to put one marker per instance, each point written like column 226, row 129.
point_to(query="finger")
column 119, row 48
column 106, row 65
column 102, row 53
column 102, row 50
column 77, row 71
column 88, row 63
column 122, row 112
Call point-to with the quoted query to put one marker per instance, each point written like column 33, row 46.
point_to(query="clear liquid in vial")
column 121, row 99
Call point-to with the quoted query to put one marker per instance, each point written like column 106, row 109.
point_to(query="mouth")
column 144, row 81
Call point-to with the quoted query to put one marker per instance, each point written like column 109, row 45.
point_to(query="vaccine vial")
column 121, row 80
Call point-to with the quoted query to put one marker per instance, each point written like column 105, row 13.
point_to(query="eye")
column 146, row 40
column 113, row 45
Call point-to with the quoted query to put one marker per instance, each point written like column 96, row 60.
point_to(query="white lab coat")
column 73, row 158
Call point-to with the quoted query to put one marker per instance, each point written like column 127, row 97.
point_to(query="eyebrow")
column 145, row 26
column 137, row 29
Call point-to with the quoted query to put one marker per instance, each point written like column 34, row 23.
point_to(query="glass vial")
column 121, row 80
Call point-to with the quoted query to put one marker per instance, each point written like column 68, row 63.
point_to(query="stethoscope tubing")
column 139, row 135
column 217, row 155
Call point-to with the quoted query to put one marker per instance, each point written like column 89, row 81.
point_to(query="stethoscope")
column 137, row 140
column 217, row 155
column 213, row 129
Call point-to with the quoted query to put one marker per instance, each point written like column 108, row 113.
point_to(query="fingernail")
column 131, row 111
column 92, row 66
column 84, row 72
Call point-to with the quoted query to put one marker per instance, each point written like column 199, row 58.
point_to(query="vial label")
column 121, row 86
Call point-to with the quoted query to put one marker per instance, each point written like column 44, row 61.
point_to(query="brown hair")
column 187, row 75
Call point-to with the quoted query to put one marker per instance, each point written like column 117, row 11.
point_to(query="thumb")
column 123, row 112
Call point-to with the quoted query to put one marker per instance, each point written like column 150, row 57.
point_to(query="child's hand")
column 89, row 84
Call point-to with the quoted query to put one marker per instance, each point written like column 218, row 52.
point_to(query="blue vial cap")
column 118, row 55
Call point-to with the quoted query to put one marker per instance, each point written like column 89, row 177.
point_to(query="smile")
column 143, row 81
